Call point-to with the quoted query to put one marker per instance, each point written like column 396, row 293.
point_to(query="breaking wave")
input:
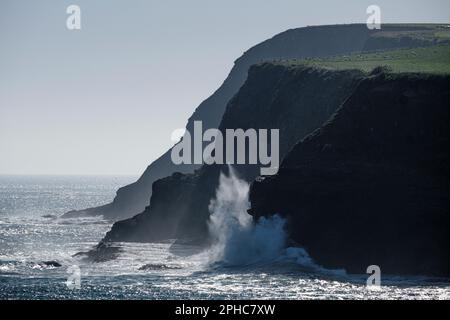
column 238, row 240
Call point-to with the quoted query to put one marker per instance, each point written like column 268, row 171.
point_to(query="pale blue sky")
column 105, row 99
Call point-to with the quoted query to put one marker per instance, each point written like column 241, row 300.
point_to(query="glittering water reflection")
column 148, row 271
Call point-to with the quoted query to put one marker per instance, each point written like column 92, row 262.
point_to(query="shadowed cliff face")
column 273, row 97
column 371, row 185
column 297, row 43
column 160, row 220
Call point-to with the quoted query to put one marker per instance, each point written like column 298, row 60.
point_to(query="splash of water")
column 237, row 239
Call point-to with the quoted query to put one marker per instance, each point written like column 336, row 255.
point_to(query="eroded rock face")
column 371, row 186
column 161, row 219
column 294, row 99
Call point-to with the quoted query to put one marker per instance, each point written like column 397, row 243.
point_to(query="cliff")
column 274, row 96
column 299, row 43
column 371, row 185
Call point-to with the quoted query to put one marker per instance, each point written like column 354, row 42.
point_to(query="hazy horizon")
column 105, row 99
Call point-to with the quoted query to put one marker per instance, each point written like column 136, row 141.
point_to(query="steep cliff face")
column 297, row 43
column 273, row 97
column 371, row 185
column 160, row 220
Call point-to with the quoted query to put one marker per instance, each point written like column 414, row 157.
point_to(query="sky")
column 104, row 100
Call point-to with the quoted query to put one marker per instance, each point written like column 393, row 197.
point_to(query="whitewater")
column 246, row 260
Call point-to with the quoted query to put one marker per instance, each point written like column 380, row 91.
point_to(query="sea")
column 38, row 253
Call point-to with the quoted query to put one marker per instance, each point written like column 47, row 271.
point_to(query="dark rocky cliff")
column 371, row 186
column 296, row 43
column 296, row 100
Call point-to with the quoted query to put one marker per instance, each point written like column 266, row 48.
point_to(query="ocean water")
column 241, row 264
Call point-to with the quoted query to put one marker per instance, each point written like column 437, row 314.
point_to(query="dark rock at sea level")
column 51, row 263
column 372, row 185
column 101, row 253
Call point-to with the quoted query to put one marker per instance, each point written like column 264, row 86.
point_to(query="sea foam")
column 237, row 239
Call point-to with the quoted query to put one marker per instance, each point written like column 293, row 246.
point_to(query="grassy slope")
column 434, row 59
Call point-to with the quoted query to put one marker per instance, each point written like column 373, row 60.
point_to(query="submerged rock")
column 151, row 266
column 101, row 253
column 51, row 263
column 49, row 216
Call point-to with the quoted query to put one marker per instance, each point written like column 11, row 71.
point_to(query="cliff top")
column 433, row 59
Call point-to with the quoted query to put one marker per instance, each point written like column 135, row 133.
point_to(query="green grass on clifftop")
column 434, row 59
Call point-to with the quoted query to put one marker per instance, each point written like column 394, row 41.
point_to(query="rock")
column 156, row 267
column 371, row 185
column 51, row 263
column 274, row 96
column 49, row 216
column 101, row 253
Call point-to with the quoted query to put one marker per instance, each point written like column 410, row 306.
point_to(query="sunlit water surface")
column 31, row 232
